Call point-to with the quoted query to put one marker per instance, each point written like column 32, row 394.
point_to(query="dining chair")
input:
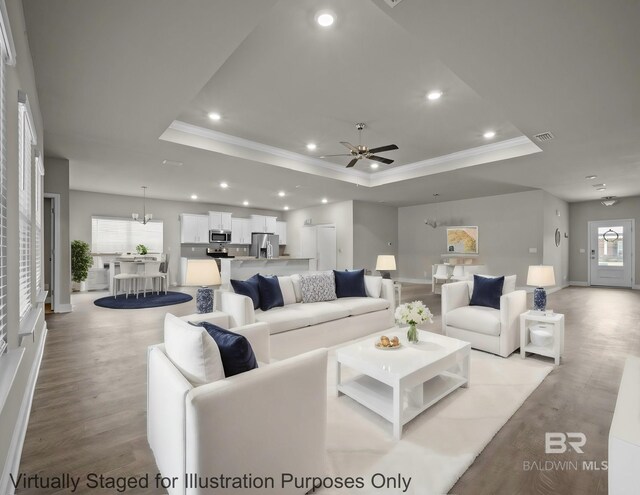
column 152, row 272
column 129, row 275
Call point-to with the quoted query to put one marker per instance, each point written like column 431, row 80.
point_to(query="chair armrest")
column 454, row 295
column 238, row 307
column 217, row 318
column 512, row 305
column 258, row 336
column 268, row 420
column 388, row 293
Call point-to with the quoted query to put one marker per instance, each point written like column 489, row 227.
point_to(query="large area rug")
column 438, row 446
column 142, row 301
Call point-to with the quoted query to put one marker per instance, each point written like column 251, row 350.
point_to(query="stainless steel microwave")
column 219, row 236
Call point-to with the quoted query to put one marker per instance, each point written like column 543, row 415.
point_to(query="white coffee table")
column 399, row 384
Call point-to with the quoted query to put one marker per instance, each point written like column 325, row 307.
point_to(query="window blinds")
column 3, row 210
column 122, row 235
column 25, row 136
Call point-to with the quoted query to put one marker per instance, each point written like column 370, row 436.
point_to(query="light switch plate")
column 533, row 250
column 583, row 250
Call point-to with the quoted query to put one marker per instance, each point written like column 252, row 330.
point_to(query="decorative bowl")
column 541, row 335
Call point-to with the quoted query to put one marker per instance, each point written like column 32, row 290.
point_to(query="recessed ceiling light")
column 598, row 185
column 282, row 194
column 325, row 18
column 245, row 203
column 215, row 116
column 601, row 188
column 325, row 200
column 194, row 196
column 224, row 185
column 374, row 165
column 286, row 208
column 311, row 146
column 489, row 134
column 434, row 95
column 591, row 177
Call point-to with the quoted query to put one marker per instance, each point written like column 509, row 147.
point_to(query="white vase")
column 83, row 286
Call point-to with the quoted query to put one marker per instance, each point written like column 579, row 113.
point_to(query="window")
column 25, row 224
column 3, row 209
column 122, row 235
column 38, row 231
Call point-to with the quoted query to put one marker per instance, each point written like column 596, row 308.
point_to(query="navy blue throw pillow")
column 270, row 293
column 235, row 350
column 248, row 288
column 487, row 291
column 350, row 283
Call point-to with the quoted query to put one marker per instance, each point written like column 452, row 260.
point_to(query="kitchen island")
column 241, row 268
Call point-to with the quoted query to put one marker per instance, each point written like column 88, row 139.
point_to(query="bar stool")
column 129, row 275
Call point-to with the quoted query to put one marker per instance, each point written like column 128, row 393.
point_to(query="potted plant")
column 81, row 261
column 142, row 249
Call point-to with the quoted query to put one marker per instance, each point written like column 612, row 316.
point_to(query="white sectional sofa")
column 266, row 421
column 299, row 327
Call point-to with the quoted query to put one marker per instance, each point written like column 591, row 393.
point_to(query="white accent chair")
column 487, row 329
column 129, row 275
column 152, row 272
column 266, row 421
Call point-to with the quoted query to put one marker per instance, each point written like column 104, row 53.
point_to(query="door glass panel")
column 610, row 241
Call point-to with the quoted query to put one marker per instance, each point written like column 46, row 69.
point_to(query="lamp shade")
column 202, row 272
column 386, row 262
column 541, row 276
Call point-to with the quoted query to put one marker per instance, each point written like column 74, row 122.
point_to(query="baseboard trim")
column 579, row 284
column 12, row 464
column 64, row 308
column 412, row 280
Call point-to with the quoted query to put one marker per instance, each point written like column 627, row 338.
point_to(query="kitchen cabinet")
column 281, row 230
column 262, row 223
column 240, row 231
column 219, row 220
column 194, row 229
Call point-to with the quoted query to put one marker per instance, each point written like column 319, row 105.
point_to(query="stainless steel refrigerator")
column 264, row 245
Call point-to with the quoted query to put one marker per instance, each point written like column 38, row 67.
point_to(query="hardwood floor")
column 89, row 408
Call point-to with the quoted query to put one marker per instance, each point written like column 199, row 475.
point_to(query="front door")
column 611, row 253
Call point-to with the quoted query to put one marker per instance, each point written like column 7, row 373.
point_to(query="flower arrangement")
column 412, row 314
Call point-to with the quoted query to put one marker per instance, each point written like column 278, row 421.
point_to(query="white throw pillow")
column 288, row 292
column 192, row 350
column 509, row 283
column 316, row 287
column 373, row 285
column 295, row 280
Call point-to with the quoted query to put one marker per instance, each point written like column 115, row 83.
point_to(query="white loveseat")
column 266, row 421
column 487, row 329
column 299, row 327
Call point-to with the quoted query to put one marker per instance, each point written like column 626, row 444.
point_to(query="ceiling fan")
column 361, row 151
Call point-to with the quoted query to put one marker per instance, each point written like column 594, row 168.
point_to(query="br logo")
column 556, row 442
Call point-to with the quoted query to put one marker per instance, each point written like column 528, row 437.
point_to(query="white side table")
column 555, row 321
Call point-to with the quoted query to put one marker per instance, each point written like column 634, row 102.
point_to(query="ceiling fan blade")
column 352, row 162
column 327, row 156
column 380, row 159
column 349, row 145
column 380, row 149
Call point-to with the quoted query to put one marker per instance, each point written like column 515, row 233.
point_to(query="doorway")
column 611, row 253
column 51, row 248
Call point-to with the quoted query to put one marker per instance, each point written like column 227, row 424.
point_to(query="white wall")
column 509, row 225
column 581, row 214
column 375, row 231
column 340, row 214
column 556, row 216
column 84, row 205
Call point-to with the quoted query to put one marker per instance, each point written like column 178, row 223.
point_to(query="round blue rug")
column 150, row 301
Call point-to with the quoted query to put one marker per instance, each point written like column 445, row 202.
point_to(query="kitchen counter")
column 244, row 267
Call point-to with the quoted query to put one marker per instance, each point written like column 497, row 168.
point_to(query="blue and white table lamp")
column 203, row 273
column 540, row 276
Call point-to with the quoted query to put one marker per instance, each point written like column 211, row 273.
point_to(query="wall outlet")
column 193, row 249
column 533, row 250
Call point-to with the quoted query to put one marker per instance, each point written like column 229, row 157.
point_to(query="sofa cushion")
column 192, row 350
column 284, row 318
column 373, row 285
column 235, row 350
column 248, row 288
column 317, row 287
column 295, row 280
column 509, row 284
column 288, row 292
column 320, row 312
column 487, row 291
column 478, row 319
column 270, row 293
column 361, row 305
column 350, row 283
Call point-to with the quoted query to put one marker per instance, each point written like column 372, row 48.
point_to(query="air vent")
column 544, row 136
column 392, row 3
column 172, row 163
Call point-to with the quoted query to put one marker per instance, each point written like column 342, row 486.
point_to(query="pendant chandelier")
column 146, row 217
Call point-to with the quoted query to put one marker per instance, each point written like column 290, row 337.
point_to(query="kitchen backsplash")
column 232, row 250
